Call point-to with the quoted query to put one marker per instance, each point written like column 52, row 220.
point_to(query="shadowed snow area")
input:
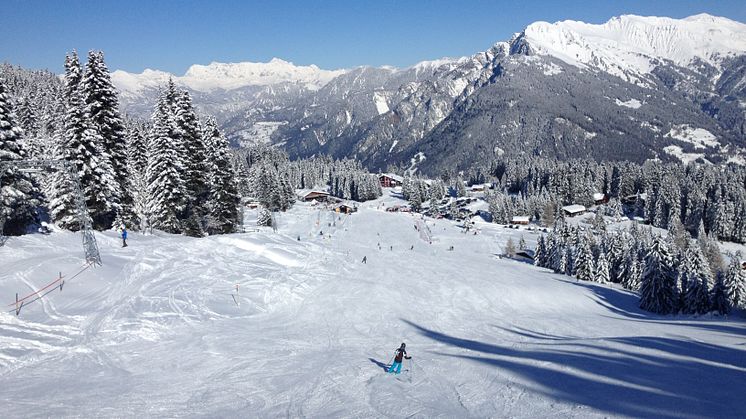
column 160, row 329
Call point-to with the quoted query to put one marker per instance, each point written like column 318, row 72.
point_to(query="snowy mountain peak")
column 636, row 44
column 228, row 76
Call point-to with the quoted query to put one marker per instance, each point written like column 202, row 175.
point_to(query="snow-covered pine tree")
column 223, row 199
column 196, row 166
column 569, row 260
column 540, row 253
column 18, row 195
column 599, row 223
column 719, row 295
column 711, row 251
column 83, row 147
column 602, row 268
column 584, row 266
column 696, row 273
column 460, row 187
column 102, row 107
column 658, row 285
column 63, row 210
column 735, row 282
column 165, row 185
column 553, row 252
column 137, row 160
column 510, row 248
column 633, row 274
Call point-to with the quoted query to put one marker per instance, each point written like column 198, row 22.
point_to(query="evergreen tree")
column 569, row 261
column 602, row 268
column 460, row 187
column 137, row 159
column 510, row 248
column 633, row 276
column 540, row 252
column 697, row 278
column 719, row 297
column 164, row 182
column 18, row 194
column 223, row 199
column 735, row 282
column 584, row 266
column 63, row 210
column 82, row 145
column 195, row 164
column 658, row 286
column 102, row 107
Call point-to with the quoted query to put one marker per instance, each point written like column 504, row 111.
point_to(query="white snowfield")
column 155, row 331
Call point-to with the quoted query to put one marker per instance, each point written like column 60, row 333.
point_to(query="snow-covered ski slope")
column 156, row 331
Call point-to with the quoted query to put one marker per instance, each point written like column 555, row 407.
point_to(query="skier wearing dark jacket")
column 399, row 355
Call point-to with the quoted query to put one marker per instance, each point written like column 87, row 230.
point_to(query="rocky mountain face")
column 633, row 88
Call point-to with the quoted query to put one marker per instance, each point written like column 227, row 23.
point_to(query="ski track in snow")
column 156, row 330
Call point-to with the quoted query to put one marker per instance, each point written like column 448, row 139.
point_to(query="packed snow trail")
column 156, row 332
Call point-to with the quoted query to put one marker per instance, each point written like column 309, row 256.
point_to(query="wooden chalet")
column 390, row 180
column 600, row 198
column 307, row 195
column 520, row 220
column 573, row 210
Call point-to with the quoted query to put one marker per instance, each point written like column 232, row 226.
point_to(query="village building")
column 308, row 195
column 600, row 198
column 520, row 220
column 390, row 180
column 573, row 210
column 345, row 209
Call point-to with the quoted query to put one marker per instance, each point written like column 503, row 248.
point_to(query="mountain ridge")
column 653, row 76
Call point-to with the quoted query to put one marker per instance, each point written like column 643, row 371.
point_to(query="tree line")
column 675, row 274
column 173, row 173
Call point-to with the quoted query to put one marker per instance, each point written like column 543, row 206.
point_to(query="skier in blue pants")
column 400, row 355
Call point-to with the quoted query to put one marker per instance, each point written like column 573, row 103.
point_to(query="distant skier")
column 412, row 247
column 365, row 260
column 298, row 238
column 124, row 236
column 399, row 355
column 391, row 248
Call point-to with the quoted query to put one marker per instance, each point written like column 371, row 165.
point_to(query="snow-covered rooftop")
column 575, row 208
column 392, row 176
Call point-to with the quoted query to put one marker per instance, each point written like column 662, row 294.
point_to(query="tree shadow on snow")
column 626, row 304
column 641, row 376
column 383, row 366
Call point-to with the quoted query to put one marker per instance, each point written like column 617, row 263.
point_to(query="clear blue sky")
column 172, row 35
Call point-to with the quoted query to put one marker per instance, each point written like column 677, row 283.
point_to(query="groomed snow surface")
column 155, row 331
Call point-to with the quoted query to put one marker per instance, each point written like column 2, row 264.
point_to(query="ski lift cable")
column 49, row 285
